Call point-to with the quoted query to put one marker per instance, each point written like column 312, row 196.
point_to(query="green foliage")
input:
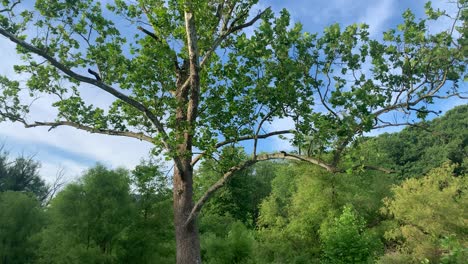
column 303, row 198
column 345, row 239
column 99, row 220
column 278, row 242
column 233, row 244
column 227, row 220
column 234, row 198
column 278, row 69
column 150, row 236
column 453, row 251
column 88, row 217
column 242, row 195
column 394, row 258
column 21, row 218
column 21, row 175
column 416, row 150
column 427, row 210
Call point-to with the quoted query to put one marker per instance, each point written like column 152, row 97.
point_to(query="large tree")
column 193, row 76
column 22, row 175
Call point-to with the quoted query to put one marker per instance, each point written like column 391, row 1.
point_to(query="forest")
column 273, row 212
column 210, row 87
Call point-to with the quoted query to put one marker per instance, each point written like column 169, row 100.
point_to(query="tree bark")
column 187, row 96
column 187, row 238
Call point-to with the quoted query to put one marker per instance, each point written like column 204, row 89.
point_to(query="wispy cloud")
column 377, row 14
column 277, row 143
column 111, row 151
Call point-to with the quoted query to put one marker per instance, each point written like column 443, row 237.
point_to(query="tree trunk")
column 187, row 95
column 187, row 238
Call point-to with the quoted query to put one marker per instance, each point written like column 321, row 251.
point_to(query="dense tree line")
column 275, row 212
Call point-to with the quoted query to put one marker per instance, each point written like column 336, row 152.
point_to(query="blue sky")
column 75, row 150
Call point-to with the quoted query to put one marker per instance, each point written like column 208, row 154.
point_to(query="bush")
column 345, row 240
column 235, row 247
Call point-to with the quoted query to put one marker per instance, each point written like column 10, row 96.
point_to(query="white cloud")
column 377, row 14
column 111, row 151
column 49, row 170
column 281, row 124
column 315, row 15
column 444, row 23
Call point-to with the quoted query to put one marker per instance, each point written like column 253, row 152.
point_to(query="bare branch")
column 95, row 74
column 264, row 157
column 450, row 95
column 258, row 131
column 396, row 124
column 229, row 31
column 376, row 168
column 89, row 129
column 408, row 104
column 318, row 162
column 455, row 21
column 423, row 111
column 9, row 9
column 323, row 97
column 249, row 23
column 226, row 142
column 220, row 183
column 151, row 34
column 55, row 187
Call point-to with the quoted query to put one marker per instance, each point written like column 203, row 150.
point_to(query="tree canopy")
column 20, row 220
column 189, row 77
column 22, row 175
column 430, row 210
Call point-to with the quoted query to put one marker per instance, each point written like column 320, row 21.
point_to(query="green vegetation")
column 22, row 174
column 429, row 212
column 20, row 219
column 291, row 213
column 345, row 239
